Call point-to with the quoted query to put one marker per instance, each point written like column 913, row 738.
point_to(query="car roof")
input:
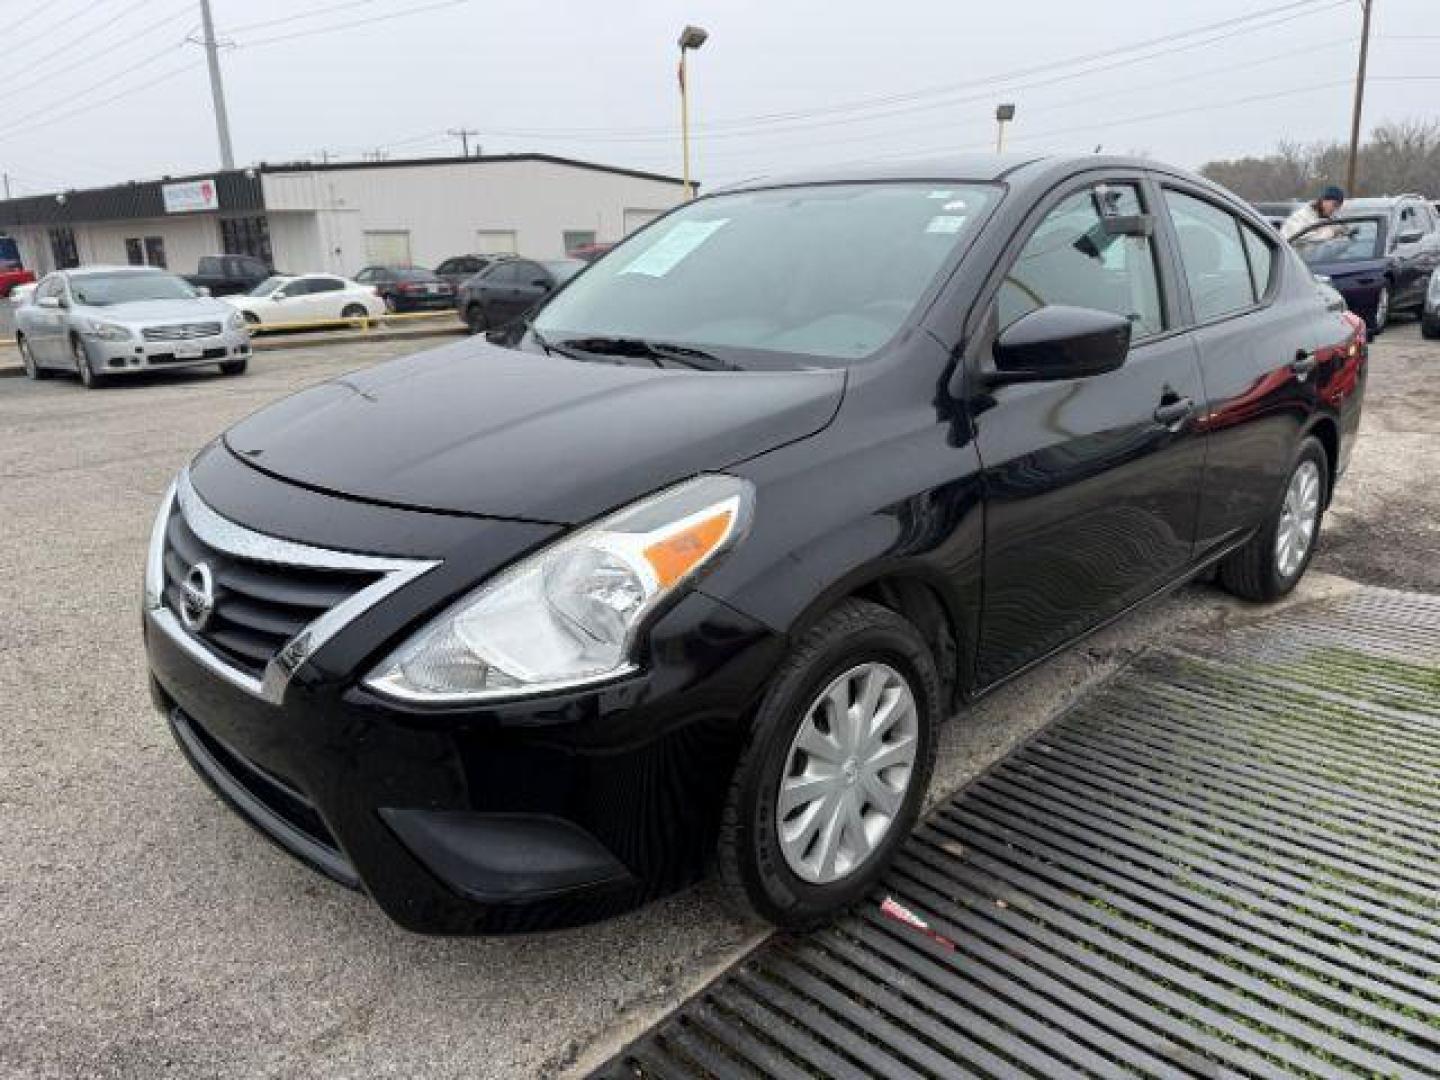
column 100, row 268
column 1377, row 202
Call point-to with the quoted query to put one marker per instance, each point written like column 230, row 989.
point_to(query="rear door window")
column 1212, row 256
column 1262, row 259
column 1079, row 256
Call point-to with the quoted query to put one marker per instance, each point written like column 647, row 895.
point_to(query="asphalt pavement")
column 147, row 932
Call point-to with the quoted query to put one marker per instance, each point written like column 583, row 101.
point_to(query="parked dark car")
column 229, row 275
column 408, row 288
column 523, row 637
column 460, row 268
column 589, row 252
column 1380, row 255
column 508, row 288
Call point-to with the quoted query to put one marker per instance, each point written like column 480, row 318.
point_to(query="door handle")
column 1172, row 414
column 1304, row 363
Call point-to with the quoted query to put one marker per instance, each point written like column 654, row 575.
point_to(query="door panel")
column 1091, row 497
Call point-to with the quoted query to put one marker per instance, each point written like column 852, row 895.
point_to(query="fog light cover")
column 570, row 615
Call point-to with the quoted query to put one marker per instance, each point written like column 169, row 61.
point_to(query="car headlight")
column 105, row 331
column 569, row 616
column 235, row 321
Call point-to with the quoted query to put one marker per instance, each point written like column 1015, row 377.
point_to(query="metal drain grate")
column 1224, row 863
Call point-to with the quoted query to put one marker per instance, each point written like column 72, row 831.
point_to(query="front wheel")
column 390, row 305
column 252, row 319
column 234, row 367
column 355, row 311
column 1274, row 560
column 1380, row 314
column 1430, row 327
column 475, row 320
column 88, row 378
column 838, row 763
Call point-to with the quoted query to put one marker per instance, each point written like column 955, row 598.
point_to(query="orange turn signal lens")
column 680, row 552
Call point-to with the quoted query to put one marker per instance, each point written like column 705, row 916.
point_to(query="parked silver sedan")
column 100, row 321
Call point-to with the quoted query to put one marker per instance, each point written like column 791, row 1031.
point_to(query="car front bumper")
column 134, row 355
column 521, row 816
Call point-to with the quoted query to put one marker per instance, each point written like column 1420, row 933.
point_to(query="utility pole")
column 6, row 177
column 217, row 86
column 463, row 134
column 1351, row 170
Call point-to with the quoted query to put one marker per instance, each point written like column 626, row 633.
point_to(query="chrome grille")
column 258, row 606
column 249, row 606
column 180, row 331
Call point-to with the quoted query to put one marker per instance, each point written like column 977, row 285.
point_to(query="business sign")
column 190, row 195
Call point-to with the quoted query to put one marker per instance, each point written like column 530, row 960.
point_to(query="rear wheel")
column 1430, row 327
column 88, row 378
column 252, row 319
column 354, row 311
column 1274, row 560
column 475, row 320
column 234, row 367
column 390, row 305
column 27, row 360
column 837, row 767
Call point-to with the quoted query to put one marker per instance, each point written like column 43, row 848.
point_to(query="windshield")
column 266, row 287
column 1344, row 241
column 826, row 271
column 562, row 270
column 102, row 290
column 413, row 273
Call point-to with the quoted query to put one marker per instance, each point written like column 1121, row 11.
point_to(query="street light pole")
column 692, row 37
column 1352, row 167
column 217, row 87
column 1003, row 115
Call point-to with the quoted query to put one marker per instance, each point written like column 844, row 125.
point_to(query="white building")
column 341, row 216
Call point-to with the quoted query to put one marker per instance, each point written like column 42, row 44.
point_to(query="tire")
column 234, row 367
column 27, row 360
column 1430, row 327
column 390, row 305
column 252, row 319
column 475, row 319
column 1258, row 571
column 1379, row 317
column 759, row 874
column 354, row 311
column 88, row 378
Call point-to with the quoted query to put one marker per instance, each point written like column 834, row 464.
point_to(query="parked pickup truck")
column 227, row 275
column 12, row 273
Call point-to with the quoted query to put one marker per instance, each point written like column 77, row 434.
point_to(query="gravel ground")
column 148, row 932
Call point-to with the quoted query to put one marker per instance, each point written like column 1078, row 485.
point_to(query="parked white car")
column 307, row 298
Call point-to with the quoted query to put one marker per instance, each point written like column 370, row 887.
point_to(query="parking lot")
column 148, row 932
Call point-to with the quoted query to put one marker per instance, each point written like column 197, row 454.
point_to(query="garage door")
column 636, row 219
column 495, row 241
column 387, row 248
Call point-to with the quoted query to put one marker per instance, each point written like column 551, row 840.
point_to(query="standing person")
column 1322, row 209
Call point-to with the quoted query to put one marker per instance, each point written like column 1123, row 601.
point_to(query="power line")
column 108, row 49
column 101, row 85
column 332, row 27
column 9, row 132
column 296, row 18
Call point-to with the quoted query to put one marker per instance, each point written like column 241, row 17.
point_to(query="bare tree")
column 1399, row 157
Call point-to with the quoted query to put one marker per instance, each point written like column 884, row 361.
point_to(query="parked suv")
column 522, row 637
column 508, row 288
column 229, row 275
column 408, row 288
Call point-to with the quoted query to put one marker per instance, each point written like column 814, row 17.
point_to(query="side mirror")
column 1058, row 342
column 48, row 302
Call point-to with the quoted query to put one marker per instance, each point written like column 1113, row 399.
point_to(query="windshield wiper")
column 654, row 351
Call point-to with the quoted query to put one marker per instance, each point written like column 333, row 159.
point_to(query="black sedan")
column 508, row 288
column 408, row 288
column 691, row 574
column 1376, row 271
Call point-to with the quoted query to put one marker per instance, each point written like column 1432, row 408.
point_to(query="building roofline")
column 486, row 159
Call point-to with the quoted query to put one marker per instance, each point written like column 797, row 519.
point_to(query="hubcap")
column 847, row 773
column 1299, row 516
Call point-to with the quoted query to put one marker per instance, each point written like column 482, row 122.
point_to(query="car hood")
column 476, row 429
column 145, row 312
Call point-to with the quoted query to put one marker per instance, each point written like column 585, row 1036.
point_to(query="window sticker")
column 947, row 194
column 958, row 204
column 946, row 223
column 667, row 252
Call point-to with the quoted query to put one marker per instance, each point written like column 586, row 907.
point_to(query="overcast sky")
column 107, row 90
